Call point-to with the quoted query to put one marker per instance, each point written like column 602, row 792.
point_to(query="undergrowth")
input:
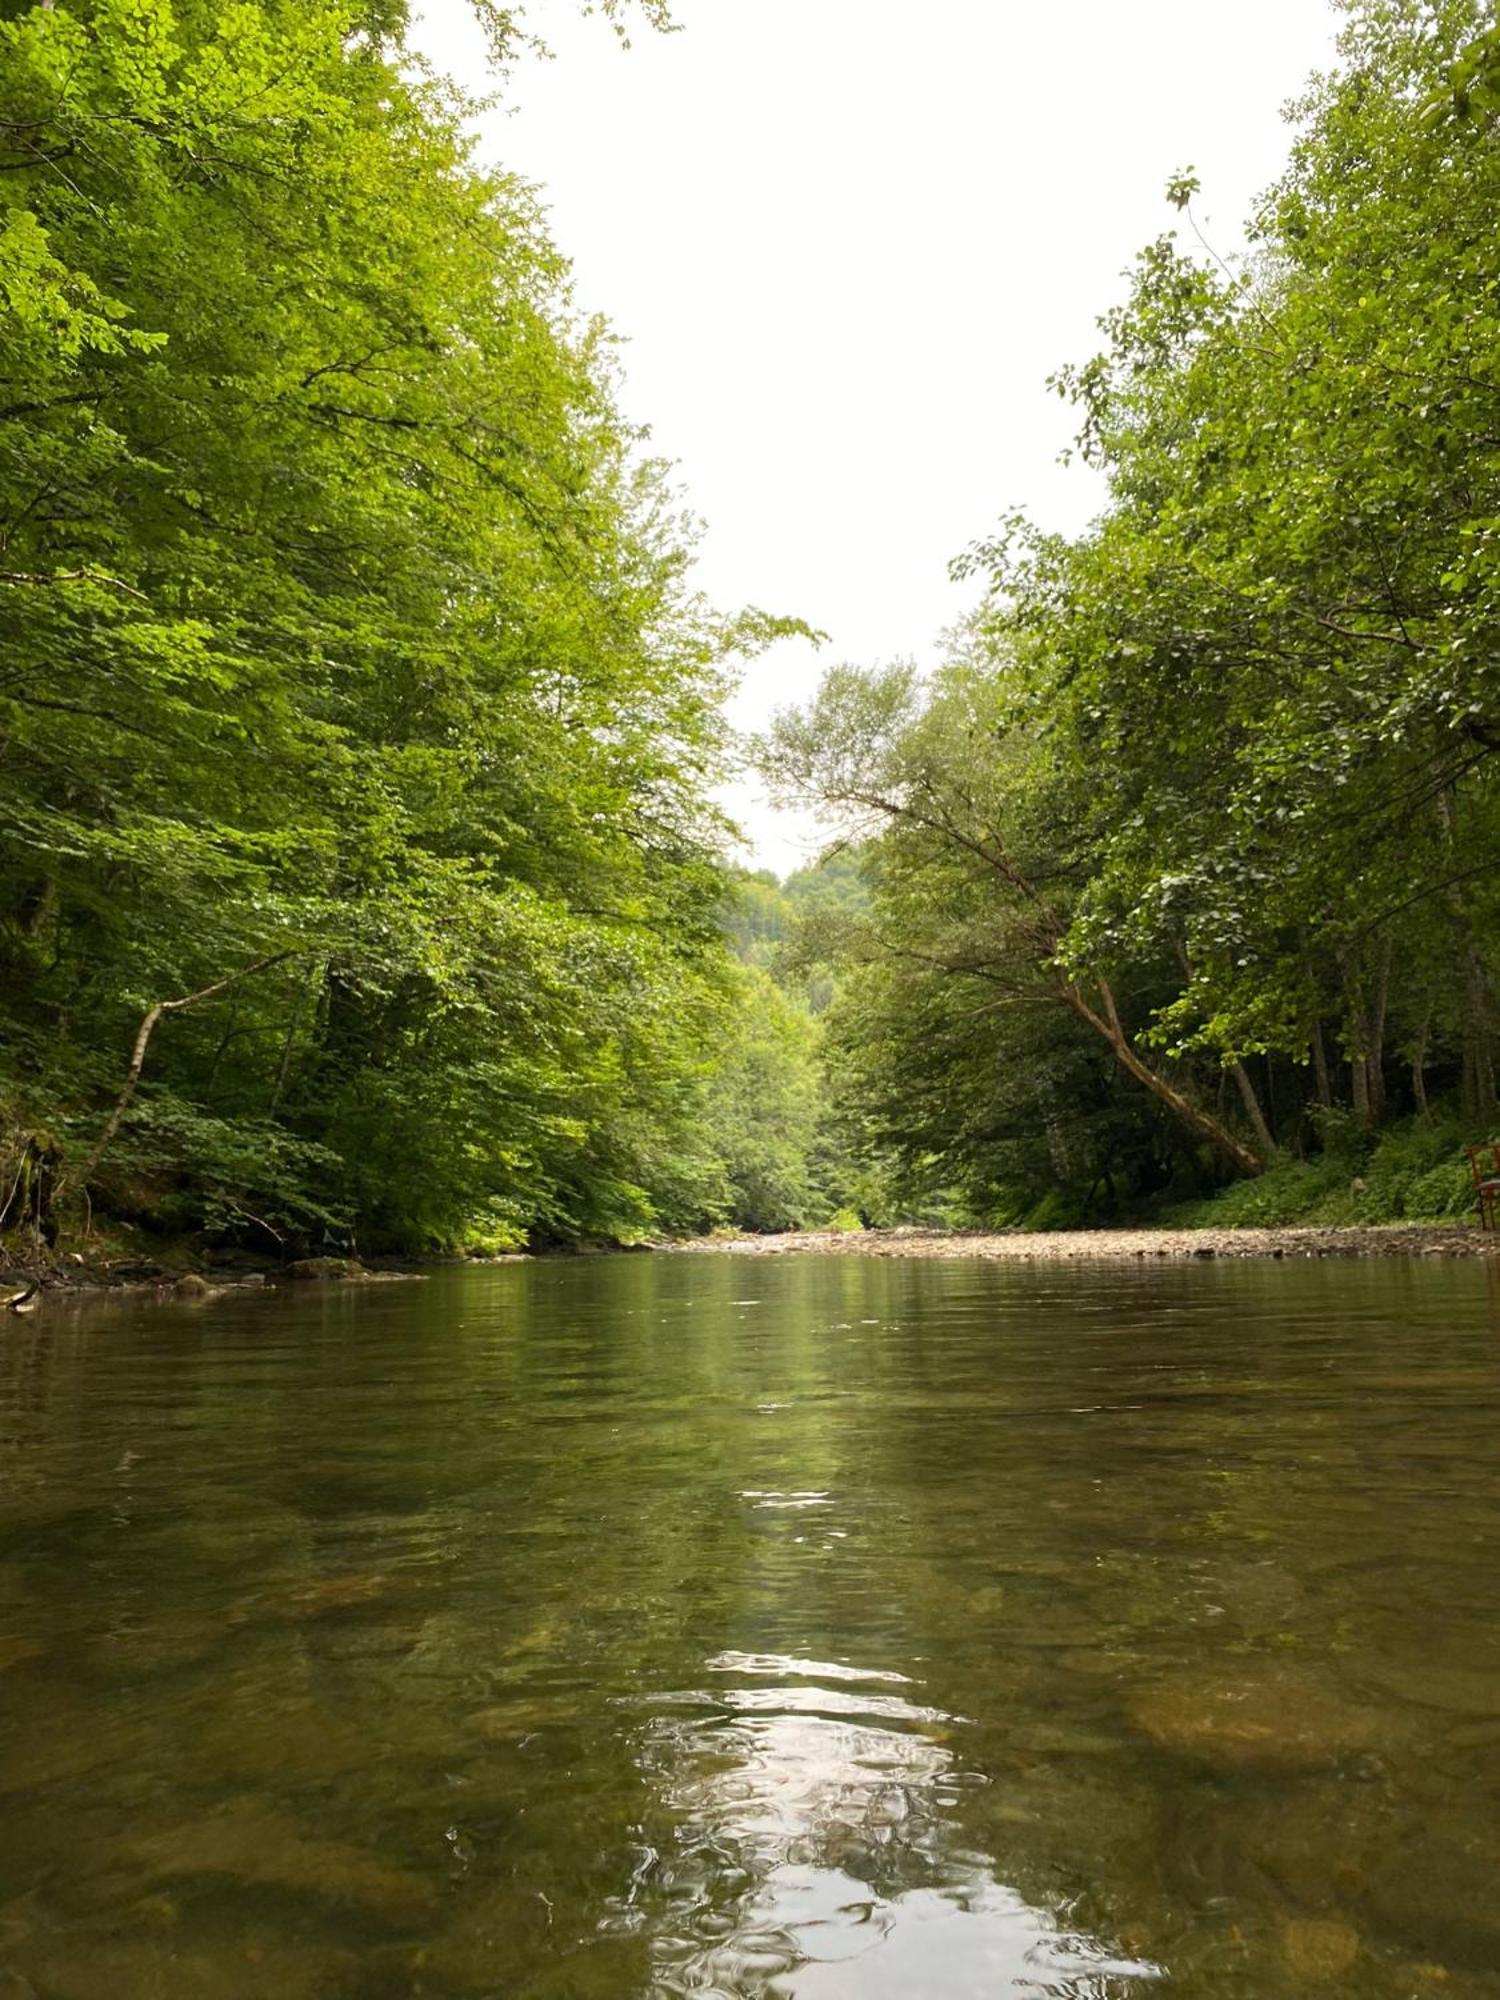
column 1416, row 1172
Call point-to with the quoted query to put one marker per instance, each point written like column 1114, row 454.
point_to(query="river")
column 816, row 1628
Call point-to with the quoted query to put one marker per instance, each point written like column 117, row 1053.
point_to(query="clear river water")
column 814, row 1628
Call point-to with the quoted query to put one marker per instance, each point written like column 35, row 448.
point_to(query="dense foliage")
column 352, row 702
column 791, row 1159
column 1187, row 860
column 358, row 725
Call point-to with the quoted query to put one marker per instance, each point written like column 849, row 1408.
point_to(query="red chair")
column 1484, row 1171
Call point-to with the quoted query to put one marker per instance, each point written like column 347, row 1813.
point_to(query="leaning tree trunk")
column 1198, row 1121
column 1249, row 1098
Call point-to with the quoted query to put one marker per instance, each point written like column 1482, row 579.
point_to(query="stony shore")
column 1396, row 1239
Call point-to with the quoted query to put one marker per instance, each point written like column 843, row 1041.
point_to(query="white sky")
column 847, row 241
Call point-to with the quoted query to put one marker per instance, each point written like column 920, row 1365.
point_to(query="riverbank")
column 25, row 1288
column 1396, row 1239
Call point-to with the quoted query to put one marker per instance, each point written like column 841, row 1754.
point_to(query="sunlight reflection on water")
column 826, row 1803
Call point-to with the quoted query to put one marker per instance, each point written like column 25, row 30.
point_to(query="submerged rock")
column 1243, row 1720
column 160, row 1644
column 511, row 1720
column 251, row 1843
column 1469, row 1688
column 1053, row 1739
column 1318, row 1841
column 289, row 1744
column 1318, row 1948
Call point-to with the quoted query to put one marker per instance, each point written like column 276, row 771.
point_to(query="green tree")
column 764, row 1106
column 1218, row 775
column 345, row 637
column 980, row 861
column 1271, row 658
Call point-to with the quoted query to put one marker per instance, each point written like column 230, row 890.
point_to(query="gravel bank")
column 1396, row 1239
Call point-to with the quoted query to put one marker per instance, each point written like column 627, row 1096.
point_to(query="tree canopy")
column 350, row 676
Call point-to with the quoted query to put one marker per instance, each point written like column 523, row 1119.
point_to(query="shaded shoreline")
column 1394, row 1239
column 26, row 1289
column 75, row 1283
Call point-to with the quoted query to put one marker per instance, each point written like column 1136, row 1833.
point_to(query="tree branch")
column 18, row 576
column 142, row 1041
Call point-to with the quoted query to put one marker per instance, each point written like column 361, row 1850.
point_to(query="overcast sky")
column 847, row 241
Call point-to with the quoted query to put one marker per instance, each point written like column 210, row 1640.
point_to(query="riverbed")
column 825, row 1628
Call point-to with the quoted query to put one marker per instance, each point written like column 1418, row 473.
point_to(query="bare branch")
column 142, row 1041
column 21, row 576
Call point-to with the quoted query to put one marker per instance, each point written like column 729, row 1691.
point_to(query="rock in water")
column 326, row 1267
column 250, row 1843
column 1318, row 1948
column 1275, row 1721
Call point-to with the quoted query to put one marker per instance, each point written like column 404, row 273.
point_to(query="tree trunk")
column 1364, row 1037
column 1322, row 1083
column 1193, row 1116
column 1418, row 1067
column 1478, row 1086
column 284, row 1067
column 221, row 1051
column 122, row 1103
column 1359, row 1087
column 1264, row 1138
column 1375, row 1037
column 1248, row 1097
column 1479, row 1061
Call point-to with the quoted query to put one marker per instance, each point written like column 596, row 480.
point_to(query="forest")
column 361, row 880
column 1184, row 864
column 358, row 713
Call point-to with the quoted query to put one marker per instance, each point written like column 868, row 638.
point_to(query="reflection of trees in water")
column 815, row 1853
column 807, row 1832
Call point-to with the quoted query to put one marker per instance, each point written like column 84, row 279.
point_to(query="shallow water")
column 816, row 1629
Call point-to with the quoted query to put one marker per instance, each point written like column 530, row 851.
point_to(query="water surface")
column 814, row 1629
